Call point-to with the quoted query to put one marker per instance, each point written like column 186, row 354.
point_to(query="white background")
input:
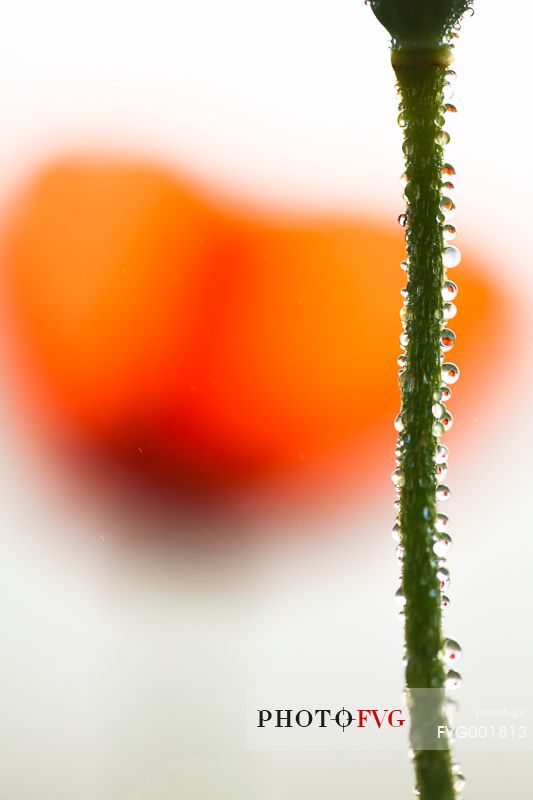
column 125, row 678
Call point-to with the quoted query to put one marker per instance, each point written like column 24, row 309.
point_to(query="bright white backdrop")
column 120, row 680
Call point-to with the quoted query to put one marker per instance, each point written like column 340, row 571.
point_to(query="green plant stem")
column 420, row 84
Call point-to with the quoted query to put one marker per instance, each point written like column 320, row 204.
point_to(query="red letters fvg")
column 303, row 718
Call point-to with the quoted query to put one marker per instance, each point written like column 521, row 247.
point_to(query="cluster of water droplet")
column 443, row 420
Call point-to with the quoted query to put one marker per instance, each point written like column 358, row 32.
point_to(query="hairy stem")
column 421, row 84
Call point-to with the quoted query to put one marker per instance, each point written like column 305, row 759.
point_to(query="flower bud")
column 419, row 24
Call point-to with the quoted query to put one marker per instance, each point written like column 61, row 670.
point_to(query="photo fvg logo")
column 324, row 717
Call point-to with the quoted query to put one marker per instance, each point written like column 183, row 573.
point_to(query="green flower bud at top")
column 419, row 24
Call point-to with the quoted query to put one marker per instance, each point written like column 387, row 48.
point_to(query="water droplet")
column 446, row 205
column 441, row 522
column 402, row 120
column 412, row 190
column 449, row 310
column 451, row 707
column 447, row 339
column 451, row 652
column 397, row 478
column 442, row 137
column 396, row 533
column 437, row 429
column 450, row 373
column 451, row 75
column 404, row 340
column 444, row 601
column 451, row 256
column 459, row 782
column 446, row 421
column 443, row 576
column 403, row 315
column 448, row 169
column 447, row 91
column 456, row 768
column 438, row 410
column 401, row 360
column 453, row 680
column 445, row 394
column 443, row 493
column 449, row 291
column 404, row 265
column 448, row 186
column 449, row 232
column 441, row 454
column 442, row 546
column 398, row 423
column 402, row 220
column 450, row 108
column 400, row 598
column 441, row 471
column 404, row 179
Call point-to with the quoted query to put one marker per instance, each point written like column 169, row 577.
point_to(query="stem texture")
column 421, row 86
